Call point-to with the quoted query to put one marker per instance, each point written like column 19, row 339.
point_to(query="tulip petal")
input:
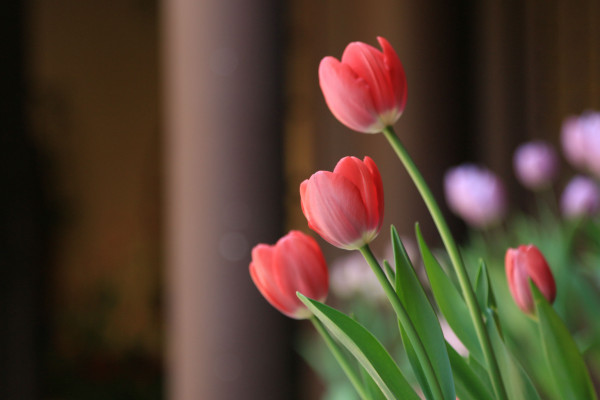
column 539, row 272
column 334, row 208
column 368, row 63
column 368, row 184
column 348, row 96
column 376, row 176
column 305, row 271
column 263, row 272
column 520, row 277
column 396, row 73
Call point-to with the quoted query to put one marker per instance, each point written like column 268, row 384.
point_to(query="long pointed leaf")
column 517, row 383
column 469, row 385
column 415, row 301
column 449, row 301
column 564, row 359
column 365, row 348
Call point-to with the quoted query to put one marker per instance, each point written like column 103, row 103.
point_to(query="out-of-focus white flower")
column 536, row 164
column 581, row 197
column 475, row 194
column 351, row 276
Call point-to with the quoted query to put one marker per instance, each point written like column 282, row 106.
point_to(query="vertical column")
column 21, row 219
column 223, row 194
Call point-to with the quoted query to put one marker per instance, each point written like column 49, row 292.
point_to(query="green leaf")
column 411, row 355
column 483, row 287
column 516, row 381
column 389, row 272
column 449, row 301
column 566, row 364
column 365, row 348
column 371, row 387
column 421, row 313
column 469, row 385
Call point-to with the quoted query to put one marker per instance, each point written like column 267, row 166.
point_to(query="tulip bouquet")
column 366, row 91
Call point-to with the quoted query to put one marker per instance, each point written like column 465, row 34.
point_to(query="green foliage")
column 367, row 350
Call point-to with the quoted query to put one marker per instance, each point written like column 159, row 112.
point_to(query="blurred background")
column 146, row 146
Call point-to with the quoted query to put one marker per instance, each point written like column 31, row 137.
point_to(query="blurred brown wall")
column 95, row 116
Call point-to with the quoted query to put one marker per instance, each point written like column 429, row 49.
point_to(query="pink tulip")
column 475, row 194
column 366, row 91
column 580, row 198
column 581, row 141
column 522, row 264
column 294, row 264
column 536, row 164
column 345, row 206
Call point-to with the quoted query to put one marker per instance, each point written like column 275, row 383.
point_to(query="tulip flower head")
column 580, row 198
column 366, row 90
column 581, row 141
column 525, row 263
column 294, row 264
column 536, row 164
column 345, row 206
column 475, row 194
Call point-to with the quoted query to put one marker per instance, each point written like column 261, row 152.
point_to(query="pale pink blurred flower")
column 452, row 339
column 580, row 139
column 581, row 197
column 536, row 164
column 475, row 194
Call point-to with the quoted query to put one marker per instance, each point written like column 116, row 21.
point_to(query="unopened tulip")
column 580, row 198
column 475, row 194
column 345, row 206
column 525, row 263
column 366, row 90
column 536, row 164
column 294, row 264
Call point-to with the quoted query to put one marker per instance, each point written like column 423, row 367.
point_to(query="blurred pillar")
column 21, row 219
column 223, row 195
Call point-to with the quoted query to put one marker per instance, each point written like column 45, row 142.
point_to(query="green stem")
column 405, row 321
column 341, row 358
column 455, row 257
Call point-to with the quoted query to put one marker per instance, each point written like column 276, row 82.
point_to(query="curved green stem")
column 455, row 257
column 341, row 358
column 406, row 322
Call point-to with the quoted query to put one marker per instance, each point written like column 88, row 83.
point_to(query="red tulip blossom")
column 366, row 90
column 345, row 206
column 522, row 264
column 294, row 264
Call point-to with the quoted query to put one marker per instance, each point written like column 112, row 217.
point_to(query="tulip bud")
column 366, row 91
column 581, row 197
column 536, row 164
column 294, row 264
column 345, row 206
column 475, row 194
column 522, row 264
